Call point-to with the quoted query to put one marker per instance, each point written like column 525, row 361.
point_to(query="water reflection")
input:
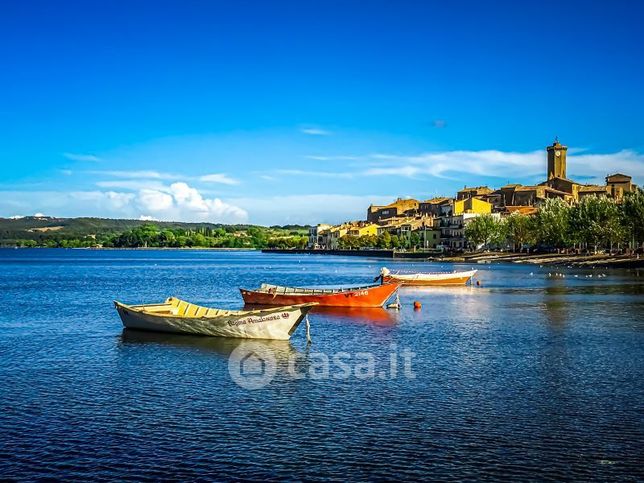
column 356, row 315
column 359, row 315
column 281, row 349
column 557, row 307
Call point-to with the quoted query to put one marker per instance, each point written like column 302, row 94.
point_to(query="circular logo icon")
column 252, row 365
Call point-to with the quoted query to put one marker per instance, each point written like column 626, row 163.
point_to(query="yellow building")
column 363, row 230
column 334, row 235
column 472, row 205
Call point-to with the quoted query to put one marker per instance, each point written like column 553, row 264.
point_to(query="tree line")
column 592, row 224
column 383, row 241
column 150, row 235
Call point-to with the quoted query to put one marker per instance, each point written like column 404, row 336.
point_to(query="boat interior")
column 278, row 289
column 180, row 308
column 454, row 272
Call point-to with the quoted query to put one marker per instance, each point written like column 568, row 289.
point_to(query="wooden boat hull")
column 372, row 296
column 277, row 323
column 430, row 279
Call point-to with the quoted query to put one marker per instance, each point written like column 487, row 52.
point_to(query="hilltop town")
column 441, row 223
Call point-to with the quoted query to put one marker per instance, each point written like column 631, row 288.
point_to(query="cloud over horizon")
column 176, row 202
column 293, row 186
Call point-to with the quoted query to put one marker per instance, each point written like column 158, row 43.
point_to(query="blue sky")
column 306, row 112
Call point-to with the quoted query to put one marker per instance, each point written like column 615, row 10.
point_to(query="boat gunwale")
column 140, row 309
column 305, row 291
column 404, row 274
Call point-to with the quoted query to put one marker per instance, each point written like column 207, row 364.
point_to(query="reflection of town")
column 439, row 222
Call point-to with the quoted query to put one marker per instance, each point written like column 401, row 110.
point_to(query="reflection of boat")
column 281, row 349
column 438, row 278
column 368, row 296
column 363, row 315
column 179, row 316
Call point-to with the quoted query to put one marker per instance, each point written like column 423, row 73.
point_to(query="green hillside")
column 99, row 232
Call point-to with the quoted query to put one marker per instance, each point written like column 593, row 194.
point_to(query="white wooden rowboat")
column 429, row 279
column 178, row 316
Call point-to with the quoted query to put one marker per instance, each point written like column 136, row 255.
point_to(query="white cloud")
column 504, row 164
column 315, row 131
column 137, row 174
column 147, row 218
column 625, row 161
column 157, row 175
column 407, row 171
column 177, row 202
column 130, row 184
column 218, row 178
column 318, row 174
column 154, row 201
column 81, row 157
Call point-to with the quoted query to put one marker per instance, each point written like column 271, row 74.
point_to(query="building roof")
column 510, row 185
column 616, row 176
column 523, row 210
column 558, row 178
column 558, row 192
column 475, row 188
column 592, row 188
column 437, row 200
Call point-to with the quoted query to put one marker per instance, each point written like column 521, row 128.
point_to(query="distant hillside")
column 52, row 231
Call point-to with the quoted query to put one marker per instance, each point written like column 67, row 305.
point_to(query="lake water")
column 526, row 376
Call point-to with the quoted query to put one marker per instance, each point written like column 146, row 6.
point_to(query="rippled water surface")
column 526, row 376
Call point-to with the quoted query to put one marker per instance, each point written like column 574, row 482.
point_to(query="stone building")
column 400, row 207
column 618, row 185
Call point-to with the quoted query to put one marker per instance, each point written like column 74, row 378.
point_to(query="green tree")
column 384, row 240
column 595, row 221
column 483, row 230
column 520, row 230
column 632, row 216
column 396, row 242
column 553, row 223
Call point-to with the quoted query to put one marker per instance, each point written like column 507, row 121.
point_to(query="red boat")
column 369, row 296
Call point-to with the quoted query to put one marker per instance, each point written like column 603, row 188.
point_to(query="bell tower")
column 557, row 160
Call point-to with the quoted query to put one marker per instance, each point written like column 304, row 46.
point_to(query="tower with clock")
column 557, row 160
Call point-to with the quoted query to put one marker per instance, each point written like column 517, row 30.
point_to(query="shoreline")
column 137, row 248
column 554, row 259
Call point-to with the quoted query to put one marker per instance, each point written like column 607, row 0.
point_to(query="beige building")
column 618, row 185
column 475, row 192
column 400, row 207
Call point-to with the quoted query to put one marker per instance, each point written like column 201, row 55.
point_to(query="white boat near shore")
column 427, row 279
column 181, row 317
